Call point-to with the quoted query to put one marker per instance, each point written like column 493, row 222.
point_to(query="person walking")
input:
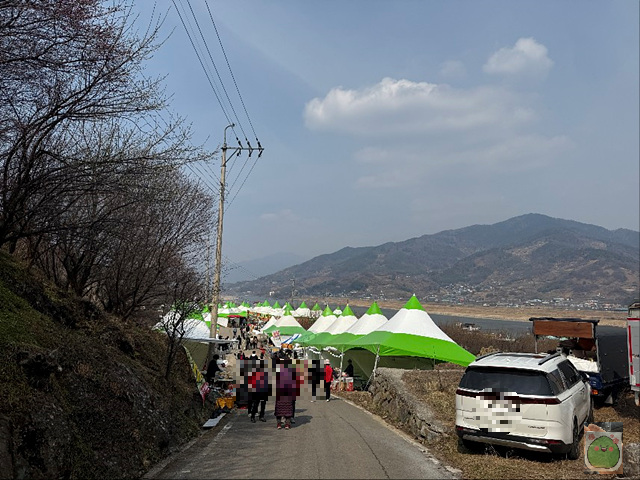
column 315, row 374
column 285, row 392
column 258, row 390
column 298, row 369
column 328, row 378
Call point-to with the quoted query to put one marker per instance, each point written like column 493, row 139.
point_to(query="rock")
column 631, row 460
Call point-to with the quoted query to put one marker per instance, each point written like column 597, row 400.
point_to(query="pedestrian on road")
column 253, row 355
column 328, row 378
column 316, row 374
column 285, row 392
column 258, row 390
column 298, row 369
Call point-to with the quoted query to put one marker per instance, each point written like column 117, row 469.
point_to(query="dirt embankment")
column 83, row 395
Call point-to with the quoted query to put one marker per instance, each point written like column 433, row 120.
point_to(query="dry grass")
column 437, row 389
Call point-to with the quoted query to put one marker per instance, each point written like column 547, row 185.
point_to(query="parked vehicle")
column 523, row 400
column 598, row 352
column 633, row 343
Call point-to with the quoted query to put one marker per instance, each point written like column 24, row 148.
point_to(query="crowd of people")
column 281, row 376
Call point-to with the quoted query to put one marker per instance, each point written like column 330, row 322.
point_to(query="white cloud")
column 526, row 58
column 402, row 107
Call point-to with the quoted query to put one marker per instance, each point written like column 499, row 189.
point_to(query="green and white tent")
column 412, row 333
column 341, row 324
column 320, row 325
column 286, row 325
column 302, row 311
column 272, row 321
column 370, row 321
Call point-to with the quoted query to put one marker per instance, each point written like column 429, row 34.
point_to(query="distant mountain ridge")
column 527, row 257
column 252, row 269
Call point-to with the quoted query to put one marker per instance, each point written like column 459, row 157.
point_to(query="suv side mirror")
column 585, row 376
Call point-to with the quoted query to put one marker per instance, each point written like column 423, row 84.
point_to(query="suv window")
column 571, row 375
column 555, row 379
column 522, row 382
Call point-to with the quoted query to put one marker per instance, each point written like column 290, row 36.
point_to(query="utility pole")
column 213, row 331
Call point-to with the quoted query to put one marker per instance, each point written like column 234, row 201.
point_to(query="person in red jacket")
column 328, row 378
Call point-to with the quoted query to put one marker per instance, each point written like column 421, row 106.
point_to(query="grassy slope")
column 81, row 394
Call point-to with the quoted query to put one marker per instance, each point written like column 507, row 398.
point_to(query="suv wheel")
column 574, row 452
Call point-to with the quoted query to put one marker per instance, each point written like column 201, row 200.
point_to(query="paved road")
column 329, row 440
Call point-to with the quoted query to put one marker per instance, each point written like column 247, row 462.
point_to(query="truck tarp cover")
column 612, row 353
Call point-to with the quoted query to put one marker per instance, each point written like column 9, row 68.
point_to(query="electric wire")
column 192, row 166
column 195, row 18
column 201, row 63
column 231, row 72
column 243, row 182
column 201, row 58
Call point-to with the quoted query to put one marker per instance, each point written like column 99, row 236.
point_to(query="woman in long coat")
column 286, row 388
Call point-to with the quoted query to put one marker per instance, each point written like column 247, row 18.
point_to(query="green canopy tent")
column 320, row 325
column 302, row 311
column 410, row 334
column 341, row 324
column 286, row 325
column 371, row 320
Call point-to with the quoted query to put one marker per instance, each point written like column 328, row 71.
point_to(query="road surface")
column 329, row 440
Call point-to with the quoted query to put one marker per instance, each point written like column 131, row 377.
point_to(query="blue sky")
column 386, row 120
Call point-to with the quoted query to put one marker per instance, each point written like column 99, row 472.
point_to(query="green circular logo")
column 603, row 451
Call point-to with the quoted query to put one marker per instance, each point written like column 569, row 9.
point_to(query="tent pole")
column 375, row 366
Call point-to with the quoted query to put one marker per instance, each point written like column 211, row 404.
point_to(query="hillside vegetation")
column 83, row 395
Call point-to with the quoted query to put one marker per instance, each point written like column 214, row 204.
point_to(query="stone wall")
column 390, row 394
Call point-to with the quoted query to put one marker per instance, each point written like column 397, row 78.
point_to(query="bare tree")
column 116, row 171
column 185, row 295
column 172, row 220
column 62, row 63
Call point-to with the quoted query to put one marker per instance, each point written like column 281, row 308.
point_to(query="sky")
column 387, row 120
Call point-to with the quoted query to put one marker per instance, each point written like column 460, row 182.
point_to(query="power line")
column 216, row 69
column 186, row 23
column 231, row 72
column 201, row 63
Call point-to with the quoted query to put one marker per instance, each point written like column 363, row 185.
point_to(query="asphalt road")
column 329, row 440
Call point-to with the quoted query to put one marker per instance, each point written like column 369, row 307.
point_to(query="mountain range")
column 532, row 257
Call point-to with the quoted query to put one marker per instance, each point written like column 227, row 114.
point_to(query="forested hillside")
column 531, row 257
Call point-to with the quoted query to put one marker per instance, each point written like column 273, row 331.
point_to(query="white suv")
column 523, row 400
